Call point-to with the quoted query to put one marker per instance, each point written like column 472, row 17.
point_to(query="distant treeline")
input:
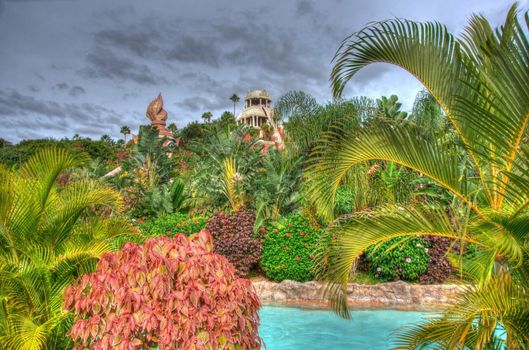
column 14, row 154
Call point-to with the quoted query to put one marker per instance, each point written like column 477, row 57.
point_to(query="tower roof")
column 258, row 94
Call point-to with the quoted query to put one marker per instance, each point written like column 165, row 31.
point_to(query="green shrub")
column 396, row 260
column 288, row 251
column 172, row 224
column 343, row 203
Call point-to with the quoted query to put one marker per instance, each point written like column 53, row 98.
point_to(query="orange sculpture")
column 158, row 116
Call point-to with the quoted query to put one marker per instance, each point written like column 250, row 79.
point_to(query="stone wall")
column 398, row 295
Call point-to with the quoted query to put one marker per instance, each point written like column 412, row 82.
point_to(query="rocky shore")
column 398, row 295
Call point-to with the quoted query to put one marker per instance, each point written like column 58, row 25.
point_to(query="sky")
column 88, row 67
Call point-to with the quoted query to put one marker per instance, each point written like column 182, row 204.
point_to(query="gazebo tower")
column 257, row 109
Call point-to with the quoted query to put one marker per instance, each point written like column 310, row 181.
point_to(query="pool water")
column 294, row 328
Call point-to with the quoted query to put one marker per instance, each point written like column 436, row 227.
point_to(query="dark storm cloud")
column 33, row 88
column 76, row 91
column 304, row 7
column 73, row 91
column 204, row 50
column 62, row 86
column 19, row 111
column 104, row 63
column 202, row 104
column 40, row 76
column 139, row 42
column 200, row 81
column 218, row 44
column 129, row 95
column 15, row 104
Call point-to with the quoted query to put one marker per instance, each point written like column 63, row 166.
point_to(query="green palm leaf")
column 352, row 238
column 341, row 151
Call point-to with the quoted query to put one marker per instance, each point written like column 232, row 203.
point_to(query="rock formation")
column 399, row 295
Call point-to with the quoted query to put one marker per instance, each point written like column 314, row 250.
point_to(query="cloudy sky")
column 89, row 67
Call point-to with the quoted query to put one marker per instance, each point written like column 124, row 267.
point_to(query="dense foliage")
column 172, row 224
column 151, row 188
column 234, row 238
column 399, row 260
column 174, row 293
column 289, row 249
column 49, row 234
column 345, row 197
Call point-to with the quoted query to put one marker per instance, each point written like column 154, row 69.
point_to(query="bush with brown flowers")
column 439, row 268
column 233, row 237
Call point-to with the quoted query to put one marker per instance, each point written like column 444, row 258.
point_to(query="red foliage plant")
column 234, row 238
column 439, row 268
column 174, row 293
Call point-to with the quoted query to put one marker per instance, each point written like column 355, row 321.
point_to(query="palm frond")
column 341, row 151
column 45, row 165
column 352, row 238
column 476, row 320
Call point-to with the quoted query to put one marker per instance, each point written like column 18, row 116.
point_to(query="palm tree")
column 207, row 116
column 307, row 120
column 49, row 235
column 278, row 187
column 481, row 82
column 125, row 130
column 234, row 98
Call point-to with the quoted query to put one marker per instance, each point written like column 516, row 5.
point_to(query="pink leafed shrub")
column 174, row 293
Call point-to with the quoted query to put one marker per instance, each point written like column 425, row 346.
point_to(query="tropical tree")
column 19, row 153
column 278, row 186
column 390, row 108
column 226, row 120
column 427, row 115
column 125, row 130
column 307, row 121
column 49, row 235
column 4, row 142
column 172, row 128
column 150, row 172
column 227, row 162
column 481, row 82
column 207, row 116
column 295, row 103
column 231, row 184
column 235, row 99
column 106, row 139
column 193, row 131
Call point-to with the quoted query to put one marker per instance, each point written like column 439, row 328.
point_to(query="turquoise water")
column 292, row 328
